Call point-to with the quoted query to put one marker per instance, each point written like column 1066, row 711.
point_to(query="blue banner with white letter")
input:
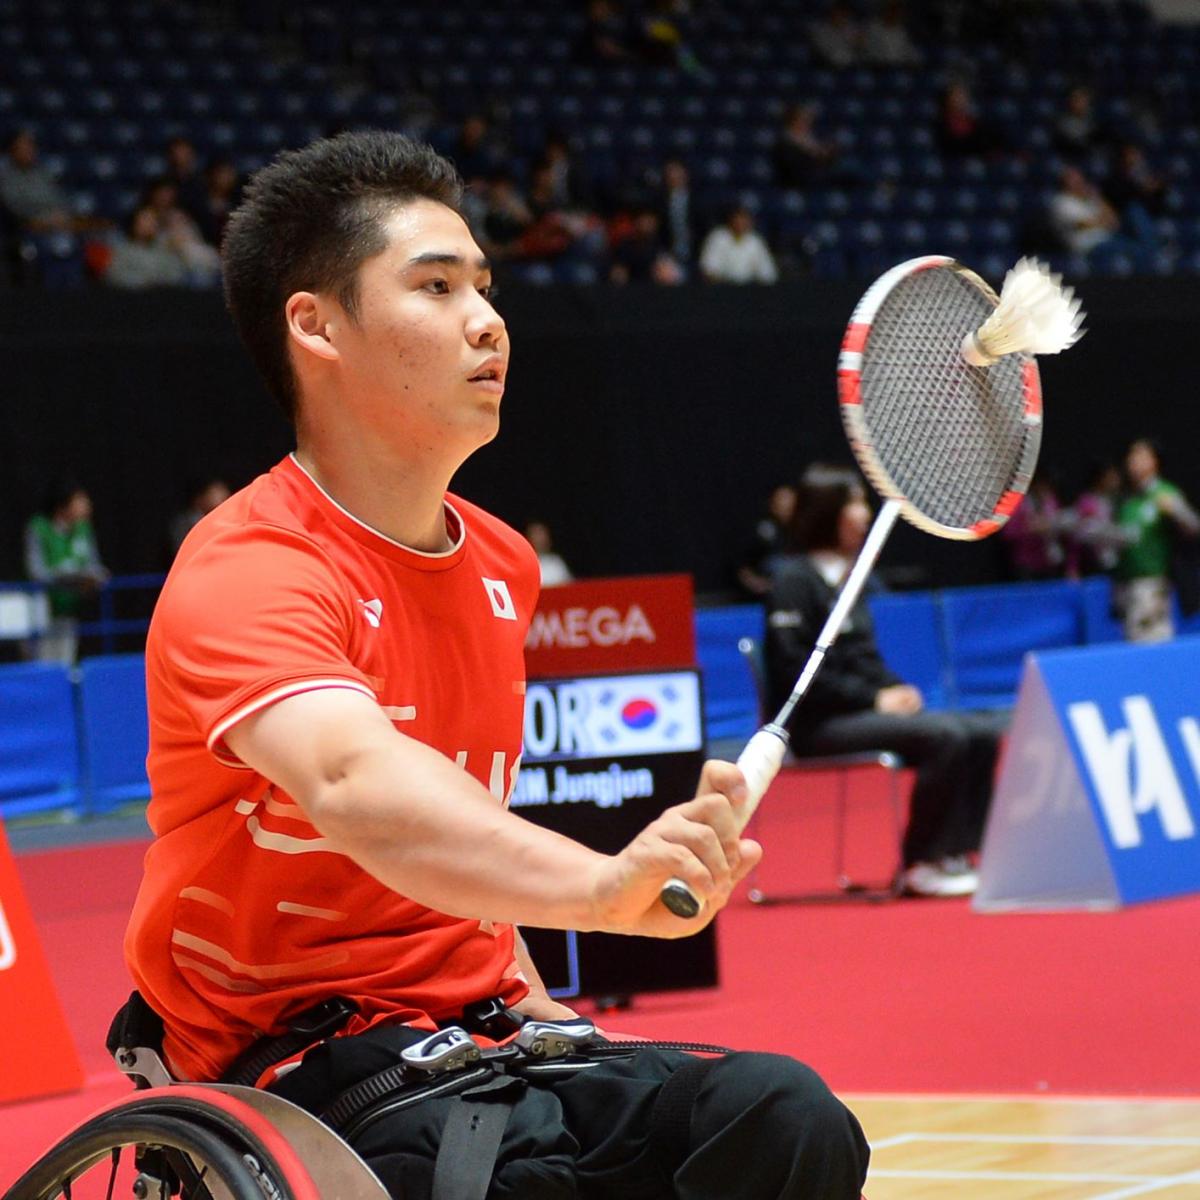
column 1131, row 715
column 1098, row 799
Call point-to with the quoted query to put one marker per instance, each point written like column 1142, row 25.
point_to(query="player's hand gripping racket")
column 941, row 401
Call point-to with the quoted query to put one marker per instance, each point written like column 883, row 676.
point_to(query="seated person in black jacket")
column 856, row 703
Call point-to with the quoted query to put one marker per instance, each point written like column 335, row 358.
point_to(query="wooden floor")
column 969, row 1148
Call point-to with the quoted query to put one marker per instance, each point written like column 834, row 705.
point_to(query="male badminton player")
column 335, row 682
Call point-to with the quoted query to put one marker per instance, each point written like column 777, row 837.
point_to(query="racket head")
column 954, row 445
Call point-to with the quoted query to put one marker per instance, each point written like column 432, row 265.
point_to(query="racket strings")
column 949, row 436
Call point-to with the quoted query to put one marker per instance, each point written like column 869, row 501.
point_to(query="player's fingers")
column 751, row 856
column 724, row 777
column 716, row 811
column 701, row 839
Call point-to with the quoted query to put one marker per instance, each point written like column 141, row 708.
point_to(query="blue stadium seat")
column 112, row 701
column 39, row 750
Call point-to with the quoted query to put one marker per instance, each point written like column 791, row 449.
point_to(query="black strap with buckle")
column 304, row 1029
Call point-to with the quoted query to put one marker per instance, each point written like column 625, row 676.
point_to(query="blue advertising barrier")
column 39, row 750
column 1098, row 801
column 116, row 730
column 730, row 702
column 908, row 629
column 990, row 629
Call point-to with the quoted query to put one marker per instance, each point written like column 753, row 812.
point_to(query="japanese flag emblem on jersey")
column 501, row 601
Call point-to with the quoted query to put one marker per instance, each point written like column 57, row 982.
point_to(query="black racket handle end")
column 677, row 896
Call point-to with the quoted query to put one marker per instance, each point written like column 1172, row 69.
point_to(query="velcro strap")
column 471, row 1138
column 671, row 1117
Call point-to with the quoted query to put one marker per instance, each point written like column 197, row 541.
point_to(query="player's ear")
column 311, row 322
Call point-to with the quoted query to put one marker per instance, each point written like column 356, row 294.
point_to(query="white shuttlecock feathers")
column 1036, row 315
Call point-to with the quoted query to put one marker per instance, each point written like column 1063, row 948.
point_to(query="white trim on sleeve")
column 265, row 701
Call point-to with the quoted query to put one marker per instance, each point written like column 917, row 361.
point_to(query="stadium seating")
column 104, row 83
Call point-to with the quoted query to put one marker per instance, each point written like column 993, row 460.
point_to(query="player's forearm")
column 431, row 832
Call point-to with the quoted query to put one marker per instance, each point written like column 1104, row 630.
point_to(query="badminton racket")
column 941, row 401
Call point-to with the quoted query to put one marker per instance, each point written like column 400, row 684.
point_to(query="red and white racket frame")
column 857, row 336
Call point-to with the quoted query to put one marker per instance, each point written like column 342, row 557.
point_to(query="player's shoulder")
column 257, row 529
column 492, row 537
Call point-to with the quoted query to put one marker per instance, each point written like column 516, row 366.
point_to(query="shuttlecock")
column 1036, row 315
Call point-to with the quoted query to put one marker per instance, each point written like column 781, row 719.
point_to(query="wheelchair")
column 232, row 1141
column 199, row 1142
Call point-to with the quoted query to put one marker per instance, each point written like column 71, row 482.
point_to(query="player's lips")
column 490, row 374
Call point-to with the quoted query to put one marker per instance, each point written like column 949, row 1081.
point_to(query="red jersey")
column 246, row 916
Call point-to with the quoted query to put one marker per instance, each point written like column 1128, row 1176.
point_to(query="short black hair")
column 59, row 492
column 308, row 221
column 823, row 492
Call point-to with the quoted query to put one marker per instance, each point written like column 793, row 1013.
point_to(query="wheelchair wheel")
column 168, row 1143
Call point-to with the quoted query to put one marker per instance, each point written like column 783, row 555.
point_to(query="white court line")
column 1018, row 1176
column 1045, row 1139
column 1146, row 1188
column 899, row 1139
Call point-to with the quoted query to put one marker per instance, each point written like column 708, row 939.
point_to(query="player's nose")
column 485, row 326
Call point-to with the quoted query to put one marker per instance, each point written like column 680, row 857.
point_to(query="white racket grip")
column 759, row 763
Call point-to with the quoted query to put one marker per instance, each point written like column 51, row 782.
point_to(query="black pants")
column 954, row 754
column 762, row 1127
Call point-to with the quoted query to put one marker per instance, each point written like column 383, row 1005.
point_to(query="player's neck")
column 402, row 500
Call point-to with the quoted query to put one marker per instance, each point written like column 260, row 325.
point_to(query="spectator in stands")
column 36, row 211
column 734, row 252
column 141, row 258
column 506, row 218
column 605, row 37
column 1032, row 536
column 553, row 568
column 801, row 157
column 961, row 131
column 886, row 40
column 560, row 229
column 178, row 231
column 1076, row 130
column 222, row 194
column 762, row 557
column 570, row 184
column 639, row 257
column 203, row 495
column 1137, row 192
column 1081, row 216
column 30, row 193
column 677, row 213
column 1094, row 539
column 1151, row 513
column 60, row 551
column 836, row 37
column 857, row 703
column 477, row 151
column 183, row 170
column 662, row 37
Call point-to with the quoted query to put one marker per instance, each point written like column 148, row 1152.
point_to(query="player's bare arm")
column 538, row 1004
column 431, row 832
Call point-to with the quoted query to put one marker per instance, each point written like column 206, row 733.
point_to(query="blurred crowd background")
column 667, row 141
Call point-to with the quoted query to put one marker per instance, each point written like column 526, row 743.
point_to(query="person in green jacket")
column 1151, row 514
column 61, row 552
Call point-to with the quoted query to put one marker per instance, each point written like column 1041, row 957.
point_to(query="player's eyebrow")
column 445, row 259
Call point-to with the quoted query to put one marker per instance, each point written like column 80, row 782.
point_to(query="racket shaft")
column 864, row 564
column 760, row 761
